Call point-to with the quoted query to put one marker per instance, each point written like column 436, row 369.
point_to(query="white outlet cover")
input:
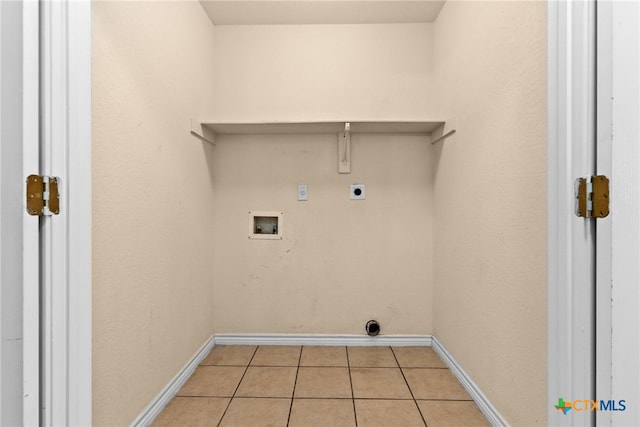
column 357, row 191
column 302, row 192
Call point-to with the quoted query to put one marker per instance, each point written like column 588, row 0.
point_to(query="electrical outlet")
column 357, row 192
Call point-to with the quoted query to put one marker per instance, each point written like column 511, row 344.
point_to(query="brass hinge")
column 43, row 197
column 592, row 197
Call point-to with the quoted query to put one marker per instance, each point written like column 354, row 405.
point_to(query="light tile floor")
column 289, row 386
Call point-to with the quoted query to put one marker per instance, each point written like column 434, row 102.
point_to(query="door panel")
column 31, row 225
column 618, row 236
column 19, row 248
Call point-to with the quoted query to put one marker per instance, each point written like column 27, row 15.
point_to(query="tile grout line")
column 409, row 387
column 353, row 397
column 295, row 382
column 238, row 386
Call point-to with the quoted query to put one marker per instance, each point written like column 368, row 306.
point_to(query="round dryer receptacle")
column 372, row 327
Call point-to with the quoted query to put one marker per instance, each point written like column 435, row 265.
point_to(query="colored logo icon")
column 563, row 406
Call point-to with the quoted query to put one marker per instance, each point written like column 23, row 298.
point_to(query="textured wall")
column 320, row 72
column 341, row 262
column 152, row 200
column 490, row 200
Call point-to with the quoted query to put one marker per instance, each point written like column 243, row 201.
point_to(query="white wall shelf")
column 207, row 131
column 384, row 127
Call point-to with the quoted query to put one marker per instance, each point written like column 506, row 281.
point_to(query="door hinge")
column 592, row 196
column 43, row 197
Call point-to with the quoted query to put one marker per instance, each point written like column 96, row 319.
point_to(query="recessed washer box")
column 265, row 225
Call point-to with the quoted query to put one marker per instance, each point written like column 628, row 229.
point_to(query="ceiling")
column 282, row 12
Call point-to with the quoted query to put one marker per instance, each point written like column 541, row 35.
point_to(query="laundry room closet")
column 299, row 168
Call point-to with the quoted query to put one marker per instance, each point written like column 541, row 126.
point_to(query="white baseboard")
column 157, row 405
column 489, row 411
column 323, row 340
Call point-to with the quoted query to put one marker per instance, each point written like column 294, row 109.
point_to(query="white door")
column 618, row 235
column 19, row 251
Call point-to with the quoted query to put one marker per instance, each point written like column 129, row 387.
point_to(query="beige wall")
column 171, row 254
column 490, row 200
column 341, row 262
column 323, row 72
column 152, row 200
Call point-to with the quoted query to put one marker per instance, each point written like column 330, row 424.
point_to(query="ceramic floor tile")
column 434, row 384
column 257, row 413
column 213, row 381
column 230, row 355
column 439, row 413
column 192, row 411
column 267, row 382
column 323, row 356
column 323, row 390
column 322, row 413
column 379, row 383
column 371, row 357
column 323, row 382
column 388, row 413
column 277, row 356
column 418, row 357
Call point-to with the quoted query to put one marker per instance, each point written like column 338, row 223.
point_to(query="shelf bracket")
column 448, row 129
column 202, row 132
column 443, row 137
column 344, row 149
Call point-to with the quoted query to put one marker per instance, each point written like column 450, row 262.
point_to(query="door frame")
column 616, row 328
column 570, row 240
column 65, row 152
